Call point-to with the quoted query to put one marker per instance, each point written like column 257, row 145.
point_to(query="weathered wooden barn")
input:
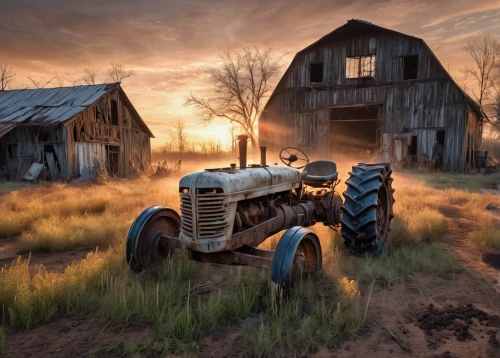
column 69, row 129
column 364, row 89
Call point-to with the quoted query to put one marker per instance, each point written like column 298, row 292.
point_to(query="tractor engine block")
column 325, row 208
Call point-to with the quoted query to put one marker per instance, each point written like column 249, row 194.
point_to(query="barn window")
column 13, row 150
column 114, row 112
column 360, row 66
column 316, row 73
column 410, row 65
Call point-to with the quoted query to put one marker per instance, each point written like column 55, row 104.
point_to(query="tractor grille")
column 212, row 214
column 186, row 214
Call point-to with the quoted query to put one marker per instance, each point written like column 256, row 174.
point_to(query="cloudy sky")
column 169, row 43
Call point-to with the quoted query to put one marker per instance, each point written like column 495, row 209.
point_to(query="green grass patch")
column 103, row 284
column 485, row 238
column 473, row 182
column 393, row 265
column 301, row 321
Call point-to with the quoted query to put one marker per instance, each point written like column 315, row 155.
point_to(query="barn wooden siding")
column 298, row 113
column 75, row 138
column 31, row 141
column 93, row 125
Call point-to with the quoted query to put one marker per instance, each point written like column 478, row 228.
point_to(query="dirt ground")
column 54, row 262
column 423, row 316
column 74, row 337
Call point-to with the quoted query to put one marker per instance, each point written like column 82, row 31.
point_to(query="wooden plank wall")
column 31, row 140
column 94, row 125
column 431, row 102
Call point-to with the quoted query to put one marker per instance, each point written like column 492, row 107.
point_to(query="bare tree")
column 71, row 79
column 234, row 137
column 39, row 83
column 485, row 52
column 90, row 76
column 178, row 137
column 59, row 79
column 117, row 73
column 6, row 75
column 241, row 84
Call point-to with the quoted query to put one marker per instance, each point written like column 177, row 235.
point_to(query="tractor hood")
column 249, row 182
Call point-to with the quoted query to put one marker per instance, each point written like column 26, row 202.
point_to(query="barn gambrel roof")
column 357, row 27
column 46, row 106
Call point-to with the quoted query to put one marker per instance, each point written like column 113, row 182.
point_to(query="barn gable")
column 381, row 82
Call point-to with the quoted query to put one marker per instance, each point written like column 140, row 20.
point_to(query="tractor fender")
column 284, row 255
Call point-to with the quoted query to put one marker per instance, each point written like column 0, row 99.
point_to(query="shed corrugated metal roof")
column 47, row 105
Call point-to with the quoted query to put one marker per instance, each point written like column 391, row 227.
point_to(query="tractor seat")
column 319, row 172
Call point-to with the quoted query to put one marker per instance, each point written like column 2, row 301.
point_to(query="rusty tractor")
column 226, row 213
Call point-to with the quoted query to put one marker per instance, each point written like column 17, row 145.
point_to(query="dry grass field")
column 66, row 290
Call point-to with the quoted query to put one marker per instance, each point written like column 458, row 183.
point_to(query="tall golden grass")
column 62, row 217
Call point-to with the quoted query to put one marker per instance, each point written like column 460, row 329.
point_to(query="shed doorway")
column 355, row 131
column 113, row 152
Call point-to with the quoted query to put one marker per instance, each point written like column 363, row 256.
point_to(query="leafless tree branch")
column 6, row 75
column 485, row 53
column 240, row 86
column 90, row 76
column 117, row 73
column 38, row 83
column 178, row 137
column 59, row 79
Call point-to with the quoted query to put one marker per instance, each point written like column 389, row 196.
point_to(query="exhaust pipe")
column 263, row 156
column 243, row 150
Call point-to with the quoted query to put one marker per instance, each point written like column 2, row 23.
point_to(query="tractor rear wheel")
column 367, row 209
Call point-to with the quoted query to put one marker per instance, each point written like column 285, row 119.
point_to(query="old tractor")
column 226, row 213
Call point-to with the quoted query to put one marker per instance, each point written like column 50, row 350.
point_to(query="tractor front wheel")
column 367, row 209
column 144, row 237
column 297, row 252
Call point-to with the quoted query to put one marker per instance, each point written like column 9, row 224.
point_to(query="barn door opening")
column 51, row 160
column 3, row 157
column 413, row 145
column 113, row 158
column 356, row 130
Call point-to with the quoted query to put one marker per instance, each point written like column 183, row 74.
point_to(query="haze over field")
column 169, row 44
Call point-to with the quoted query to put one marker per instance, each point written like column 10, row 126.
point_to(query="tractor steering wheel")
column 290, row 155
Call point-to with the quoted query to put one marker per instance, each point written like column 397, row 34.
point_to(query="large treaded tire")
column 367, row 209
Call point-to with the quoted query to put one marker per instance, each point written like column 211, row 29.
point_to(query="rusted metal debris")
column 163, row 170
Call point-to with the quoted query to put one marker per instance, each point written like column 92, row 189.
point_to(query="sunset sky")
column 169, row 43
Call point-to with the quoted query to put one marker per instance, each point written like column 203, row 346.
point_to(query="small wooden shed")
column 69, row 129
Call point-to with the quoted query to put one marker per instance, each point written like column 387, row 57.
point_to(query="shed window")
column 316, row 72
column 13, row 150
column 360, row 66
column 410, row 65
column 114, row 112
